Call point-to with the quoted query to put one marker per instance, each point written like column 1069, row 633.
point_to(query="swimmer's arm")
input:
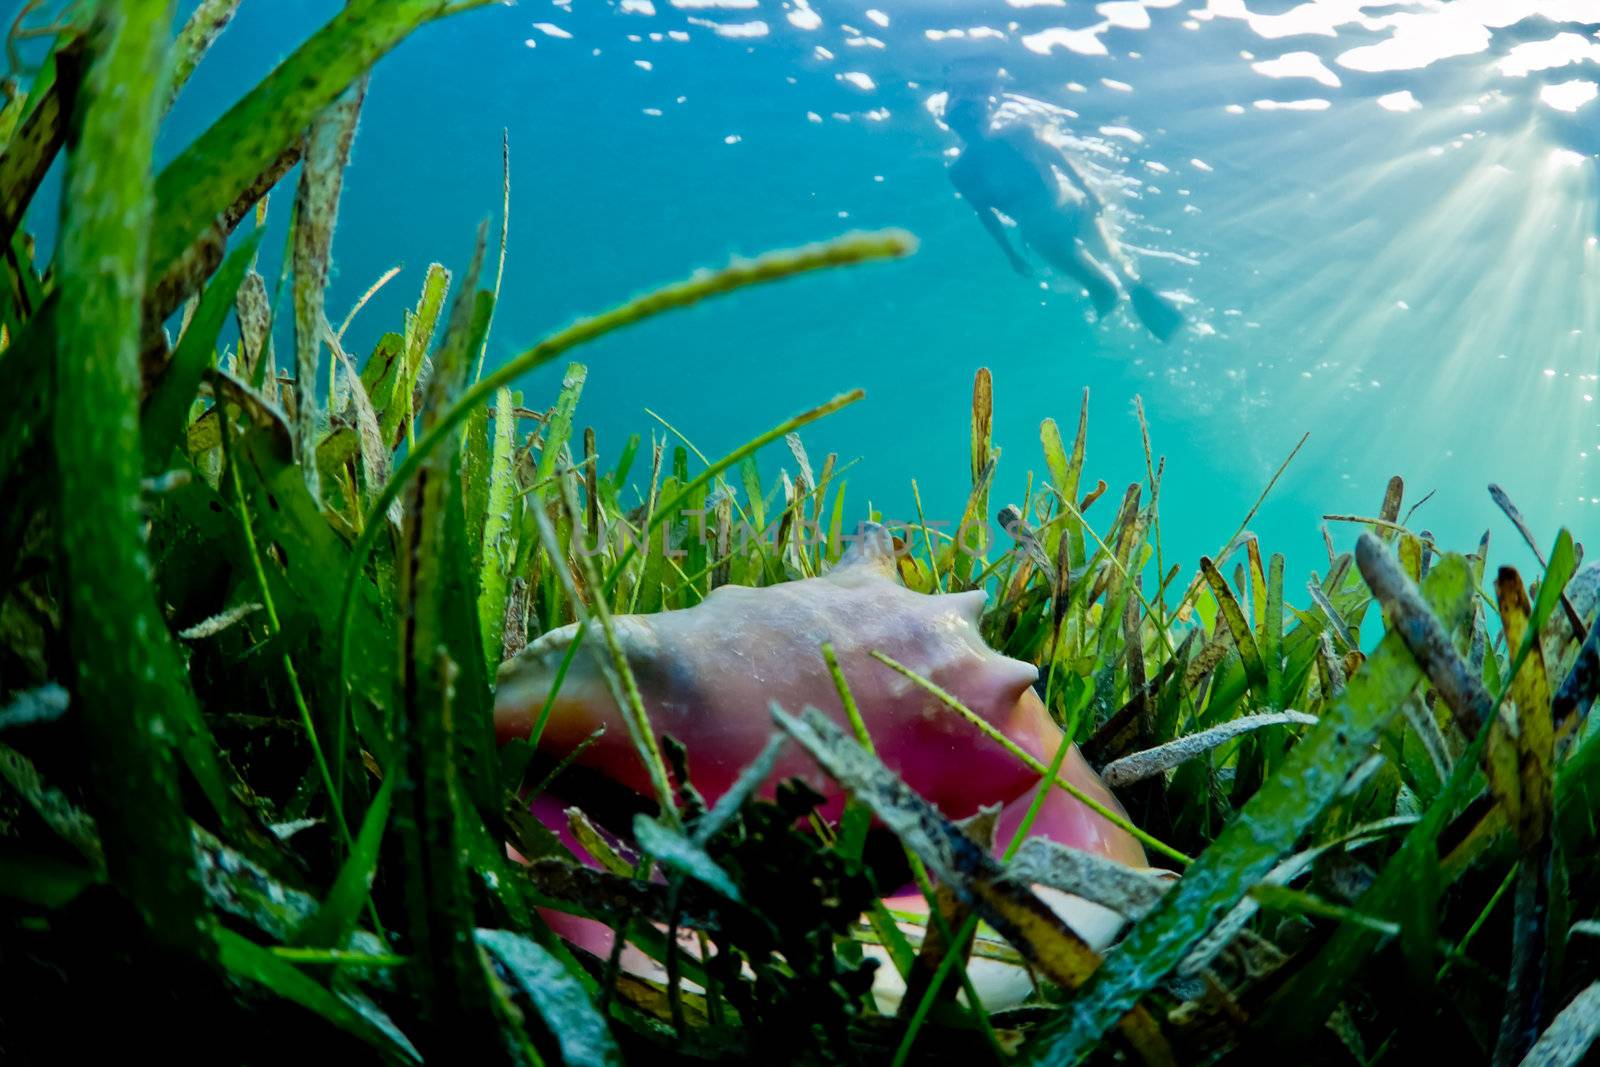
column 971, row 189
column 998, row 232
column 1083, row 183
column 1050, row 158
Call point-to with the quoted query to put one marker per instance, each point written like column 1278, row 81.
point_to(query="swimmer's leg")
column 1159, row 315
column 1104, row 292
column 1057, row 246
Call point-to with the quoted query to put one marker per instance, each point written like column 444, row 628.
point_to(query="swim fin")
column 1102, row 290
column 1159, row 315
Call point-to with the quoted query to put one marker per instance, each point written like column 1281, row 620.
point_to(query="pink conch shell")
column 708, row 674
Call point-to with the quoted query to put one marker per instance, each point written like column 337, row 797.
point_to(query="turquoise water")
column 1380, row 217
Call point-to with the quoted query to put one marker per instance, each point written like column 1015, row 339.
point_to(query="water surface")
column 1382, row 216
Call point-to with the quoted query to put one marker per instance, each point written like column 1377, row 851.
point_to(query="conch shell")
column 708, row 674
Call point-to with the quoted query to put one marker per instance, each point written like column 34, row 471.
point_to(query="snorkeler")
column 1012, row 171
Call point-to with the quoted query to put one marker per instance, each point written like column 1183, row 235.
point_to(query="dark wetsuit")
column 1057, row 216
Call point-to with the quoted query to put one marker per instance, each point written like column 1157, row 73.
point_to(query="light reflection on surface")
column 1414, row 229
column 1426, row 197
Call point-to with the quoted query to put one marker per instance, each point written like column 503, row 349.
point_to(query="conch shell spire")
column 872, row 550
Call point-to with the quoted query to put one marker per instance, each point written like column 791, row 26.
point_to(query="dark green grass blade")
column 1243, row 639
column 1407, row 882
column 450, row 567
column 498, row 536
column 312, row 550
column 331, row 925
column 1266, row 828
column 392, row 394
column 34, row 147
column 1272, row 633
column 1553, row 586
column 677, row 852
column 255, row 964
column 27, row 367
column 559, row 427
column 130, row 687
column 561, row 1000
column 1408, row 886
column 1066, row 475
column 166, row 415
column 744, row 787
column 444, row 714
column 42, row 880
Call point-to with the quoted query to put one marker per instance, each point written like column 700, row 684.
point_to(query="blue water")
column 1382, row 216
